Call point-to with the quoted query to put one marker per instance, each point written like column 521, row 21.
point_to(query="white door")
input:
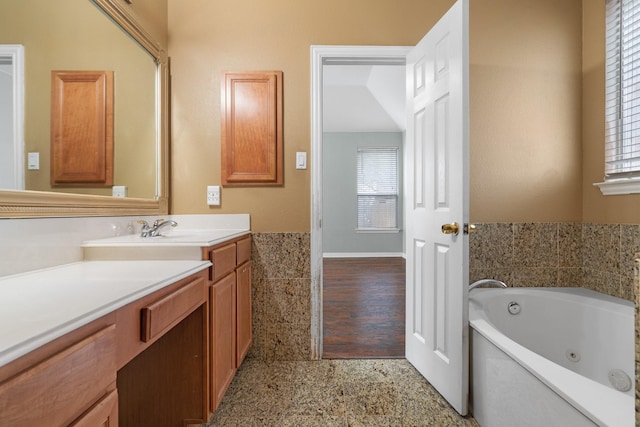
column 436, row 194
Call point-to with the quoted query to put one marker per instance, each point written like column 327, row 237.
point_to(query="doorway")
column 436, row 184
column 11, row 117
column 323, row 57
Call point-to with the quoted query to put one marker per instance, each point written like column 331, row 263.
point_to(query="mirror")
column 140, row 111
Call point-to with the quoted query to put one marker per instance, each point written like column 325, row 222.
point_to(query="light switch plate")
column 33, row 161
column 301, row 160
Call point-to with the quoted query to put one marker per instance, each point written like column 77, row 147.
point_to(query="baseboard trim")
column 363, row 255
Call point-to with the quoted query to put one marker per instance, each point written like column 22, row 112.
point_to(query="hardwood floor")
column 364, row 307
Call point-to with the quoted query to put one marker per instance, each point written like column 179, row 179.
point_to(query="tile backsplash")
column 594, row 256
column 28, row 244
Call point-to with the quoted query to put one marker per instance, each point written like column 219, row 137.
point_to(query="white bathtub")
column 549, row 365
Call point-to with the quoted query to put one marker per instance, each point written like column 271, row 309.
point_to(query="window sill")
column 377, row 230
column 619, row 186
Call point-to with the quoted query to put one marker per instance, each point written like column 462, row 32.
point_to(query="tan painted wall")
column 525, row 97
column 596, row 207
column 525, row 85
column 208, row 37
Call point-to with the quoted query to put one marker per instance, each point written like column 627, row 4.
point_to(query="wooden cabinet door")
column 223, row 343
column 243, row 307
column 252, row 128
column 82, row 128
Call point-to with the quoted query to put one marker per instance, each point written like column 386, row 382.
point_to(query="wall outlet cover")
column 213, row 195
column 119, row 191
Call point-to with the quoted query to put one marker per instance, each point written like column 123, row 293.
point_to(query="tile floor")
column 372, row 392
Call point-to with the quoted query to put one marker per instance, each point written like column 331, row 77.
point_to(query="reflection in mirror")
column 87, row 35
column 76, row 36
column 11, row 112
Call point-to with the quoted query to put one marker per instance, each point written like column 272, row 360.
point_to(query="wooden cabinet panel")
column 252, row 141
column 163, row 314
column 243, row 307
column 223, row 260
column 167, row 383
column 61, row 387
column 102, row 414
column 82, row 128
column 223, row 342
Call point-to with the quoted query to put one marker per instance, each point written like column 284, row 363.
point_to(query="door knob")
column 452, row 228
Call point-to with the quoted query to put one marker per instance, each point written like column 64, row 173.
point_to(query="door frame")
column 321, row 55
column 15, row 54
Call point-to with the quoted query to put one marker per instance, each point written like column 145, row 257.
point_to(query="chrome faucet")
column 154, row 230
column 489, row 282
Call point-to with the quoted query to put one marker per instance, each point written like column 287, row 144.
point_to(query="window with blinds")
column 622, row 105
column 377, row 192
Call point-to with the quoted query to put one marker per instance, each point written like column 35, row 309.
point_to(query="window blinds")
column 622, row 105
column 377, row 181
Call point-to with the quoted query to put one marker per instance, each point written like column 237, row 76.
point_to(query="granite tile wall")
column 636, row 286
column 281, row 284
column 594, row 256
column 601, row 257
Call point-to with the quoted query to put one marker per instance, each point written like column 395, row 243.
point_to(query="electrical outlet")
column 119, row 191
column 213, row 195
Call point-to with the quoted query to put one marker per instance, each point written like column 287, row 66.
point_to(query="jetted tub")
column 551, row 357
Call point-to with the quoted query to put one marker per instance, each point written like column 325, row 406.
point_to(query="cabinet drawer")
column 223, row 260
column 104, row 413
column 243, row 250
column 55, row 391
column 162, row 315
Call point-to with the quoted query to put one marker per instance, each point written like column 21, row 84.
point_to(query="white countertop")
column 170, row 237
column 174, row 244
column 40, row 306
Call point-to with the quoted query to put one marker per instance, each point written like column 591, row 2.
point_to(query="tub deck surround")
column 40, row 306
column 592, row 256
column 506, row 355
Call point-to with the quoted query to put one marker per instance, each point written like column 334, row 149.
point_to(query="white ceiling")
column 363, row 98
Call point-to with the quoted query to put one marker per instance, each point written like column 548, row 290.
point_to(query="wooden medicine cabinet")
column 82, row 128
column 251, row 128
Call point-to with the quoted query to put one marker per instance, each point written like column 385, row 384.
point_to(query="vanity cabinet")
column 230, row 305
column 223, row 337
column 243, row 307
column 142, row 364
column 58, row 389
column 162, row 356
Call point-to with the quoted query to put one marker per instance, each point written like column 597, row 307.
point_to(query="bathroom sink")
column 171, row 244
column 169, row 237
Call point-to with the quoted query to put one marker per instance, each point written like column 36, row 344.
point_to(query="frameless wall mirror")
column 86, row 35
